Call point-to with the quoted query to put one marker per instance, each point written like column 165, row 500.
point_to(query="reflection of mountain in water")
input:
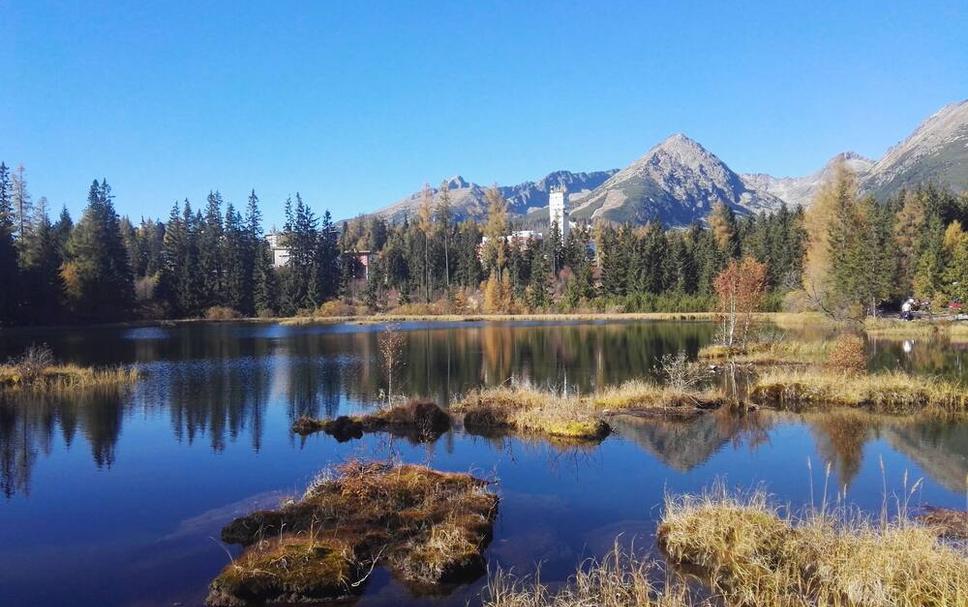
column 939, row 447
column 683, row 444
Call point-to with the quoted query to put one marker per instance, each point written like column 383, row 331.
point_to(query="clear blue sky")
column 355, row 104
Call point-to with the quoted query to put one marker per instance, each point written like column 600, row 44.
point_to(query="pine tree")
column 931, row 263
column 233, row 261
column 43, row 288
column 908, row 230
column 97, row 274
column 9, row 271
column 444, row 222
column 23, row 207
column 832, row 203
column 860, row 253
column 265, row 296
column 62, row 230
column 254, row 241
column 210, row 263
column 328, row 257
column 956, row 270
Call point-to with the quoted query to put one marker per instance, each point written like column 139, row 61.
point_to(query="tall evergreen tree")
column 23, row 207
column 9, row 271
column 210, row 241
column 42, row 286
column 97, row 274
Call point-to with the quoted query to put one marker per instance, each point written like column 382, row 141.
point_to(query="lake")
column 119, row 500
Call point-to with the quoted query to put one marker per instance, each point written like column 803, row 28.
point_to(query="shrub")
column 34, row 362
column 848, row 354
column 333, row 308
column 221, row 313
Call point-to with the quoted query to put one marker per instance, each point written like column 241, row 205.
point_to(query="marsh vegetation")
column 427, row 527
column 37, row 370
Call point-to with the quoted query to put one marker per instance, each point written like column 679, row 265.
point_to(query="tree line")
column 847, row 255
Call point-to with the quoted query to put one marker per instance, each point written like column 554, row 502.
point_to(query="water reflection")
column 683, row 444
column 216, row 382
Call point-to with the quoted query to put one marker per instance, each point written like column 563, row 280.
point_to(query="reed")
column 889, row 392
column 65, row 378
column 751, row 554
column 528, row 410
column 619, row 579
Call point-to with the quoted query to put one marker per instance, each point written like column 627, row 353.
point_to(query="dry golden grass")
column 892, row 392
column 748, row 553
column 892, row 327
column 617, row 580
column 529, row 410
column 640, row 394
column 770, row 353
column 67, row 378
column 427, row 527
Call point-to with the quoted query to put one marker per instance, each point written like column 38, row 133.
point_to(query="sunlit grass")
column 66, row 378
column 530, row 410
column 619, row 579
column 425, row 526
column 888, row 392
column 770, row 353
column 752, row 555
column 641, row 394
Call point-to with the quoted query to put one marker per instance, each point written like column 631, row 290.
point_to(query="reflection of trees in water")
column 216, row 381
column 28, row 428
column 840, row 436
column 683, row 444
column 939, row 447
column 934, row 356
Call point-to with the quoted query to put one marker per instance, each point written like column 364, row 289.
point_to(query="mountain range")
column 678, row 180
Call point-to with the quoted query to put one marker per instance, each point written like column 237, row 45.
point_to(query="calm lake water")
column 115, row 500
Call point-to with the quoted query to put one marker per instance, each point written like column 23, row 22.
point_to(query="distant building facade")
column 557, row 211
column 280, row 252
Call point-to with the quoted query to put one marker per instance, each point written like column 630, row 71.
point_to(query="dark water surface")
column 115, row 500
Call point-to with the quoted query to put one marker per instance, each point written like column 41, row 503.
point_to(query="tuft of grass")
column 427, row 527
column 619, row 579
column 751, row 555
column 417, row 420
column 65, row 378
column 639, row 394
column 770, row 353
column 529, row 410
column 892, row 392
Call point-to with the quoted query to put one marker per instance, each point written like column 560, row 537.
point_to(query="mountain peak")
column 457, row 182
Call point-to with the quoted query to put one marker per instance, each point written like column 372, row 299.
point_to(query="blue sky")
column 355, row 104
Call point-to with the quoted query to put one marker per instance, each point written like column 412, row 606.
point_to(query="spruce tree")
column 233, row 262
column 9, row 270
column 43, row 288
column 210, row 242
column 97, row 274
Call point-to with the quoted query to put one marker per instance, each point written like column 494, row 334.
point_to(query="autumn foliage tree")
column 740, row 288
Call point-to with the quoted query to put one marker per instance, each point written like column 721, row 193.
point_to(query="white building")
column 280, row 252
column 557, row 212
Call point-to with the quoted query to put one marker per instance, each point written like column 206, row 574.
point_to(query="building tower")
column 557, row 212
